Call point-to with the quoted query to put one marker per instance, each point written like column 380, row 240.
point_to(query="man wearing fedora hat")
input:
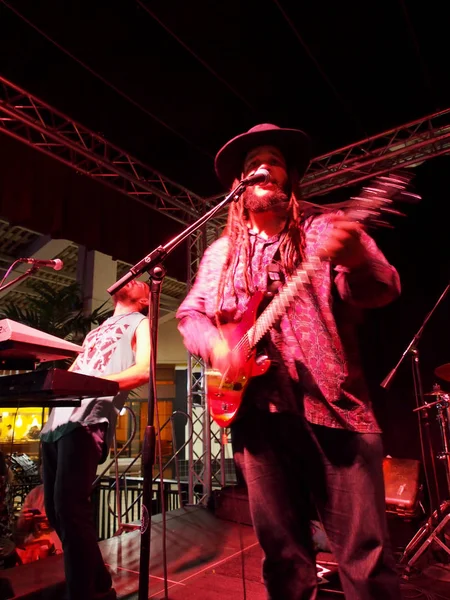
column 305, row 438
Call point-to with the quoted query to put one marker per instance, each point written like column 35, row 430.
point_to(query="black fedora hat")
column 294, row 145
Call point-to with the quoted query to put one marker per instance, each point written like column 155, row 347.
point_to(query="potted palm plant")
column 57, row 311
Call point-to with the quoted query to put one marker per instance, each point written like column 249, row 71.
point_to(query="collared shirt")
column 316, row 369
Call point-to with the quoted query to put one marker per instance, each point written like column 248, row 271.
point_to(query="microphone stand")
column 424, row 424
column 413, row 344
column 152, row 264
column 27, row 273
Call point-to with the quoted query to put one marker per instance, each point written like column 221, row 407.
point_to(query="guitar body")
column 224, row 394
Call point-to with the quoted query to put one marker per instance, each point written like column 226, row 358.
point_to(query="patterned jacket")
column 317, row 369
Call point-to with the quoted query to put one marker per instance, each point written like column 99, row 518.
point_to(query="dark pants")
column 69, row 469
column 290, row 467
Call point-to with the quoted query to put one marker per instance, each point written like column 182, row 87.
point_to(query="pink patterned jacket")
column 317, row 369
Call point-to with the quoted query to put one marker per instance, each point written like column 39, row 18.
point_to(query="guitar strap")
column 275, row 279
column 275, row 275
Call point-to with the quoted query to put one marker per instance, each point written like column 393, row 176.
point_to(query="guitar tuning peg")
column 381, row 223
column 410, row 197
column 393, row 211
column 400, row 177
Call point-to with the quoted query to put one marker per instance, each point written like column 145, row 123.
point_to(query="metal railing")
column 104, row 500
column 120, row 512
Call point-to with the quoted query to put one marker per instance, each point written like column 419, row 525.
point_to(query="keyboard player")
column 76, row 440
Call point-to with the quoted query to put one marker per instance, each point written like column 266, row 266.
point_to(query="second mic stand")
column 439, row 511
column 152, row 264
column 18, row 279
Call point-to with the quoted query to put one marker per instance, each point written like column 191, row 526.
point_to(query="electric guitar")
column 225, row 394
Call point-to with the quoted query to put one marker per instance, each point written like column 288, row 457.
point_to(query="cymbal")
column 443, row 372
column 436, row 393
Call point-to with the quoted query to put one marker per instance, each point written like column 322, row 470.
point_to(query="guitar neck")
column 272, row 313
column 367, row 207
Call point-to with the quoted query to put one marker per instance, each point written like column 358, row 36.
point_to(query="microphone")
column 56, row 263
column 258, row 177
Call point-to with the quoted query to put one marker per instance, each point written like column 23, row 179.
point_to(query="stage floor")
column 207, row 558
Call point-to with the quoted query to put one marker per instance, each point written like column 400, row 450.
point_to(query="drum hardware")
column 433, row 529
column 442, row 455
column 442, row 405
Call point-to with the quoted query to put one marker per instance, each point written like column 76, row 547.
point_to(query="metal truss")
column 199, row 449
column 30, row 120
column 404, row 146
column 207, row 469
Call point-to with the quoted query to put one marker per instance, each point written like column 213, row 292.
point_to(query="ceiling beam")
column 42, row 248
column 167, row 317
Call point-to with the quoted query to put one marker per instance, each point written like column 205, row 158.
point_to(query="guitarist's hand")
column 341, row 243
column 223, row 360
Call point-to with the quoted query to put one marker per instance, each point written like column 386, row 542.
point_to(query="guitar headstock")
column 381, row 197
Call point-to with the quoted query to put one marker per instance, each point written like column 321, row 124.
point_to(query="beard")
column 277, row 198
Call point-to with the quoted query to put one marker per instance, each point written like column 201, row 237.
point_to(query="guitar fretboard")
column 281, row 302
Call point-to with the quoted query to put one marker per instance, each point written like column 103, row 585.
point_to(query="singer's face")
column 274, row 194
column 135, row 292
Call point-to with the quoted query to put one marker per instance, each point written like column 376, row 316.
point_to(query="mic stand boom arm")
column 27, row 273
column 413, row 344
column 160, row 253
column 152, row 263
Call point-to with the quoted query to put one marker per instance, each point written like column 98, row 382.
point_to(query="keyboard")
column 22, row 347
column 52, row 387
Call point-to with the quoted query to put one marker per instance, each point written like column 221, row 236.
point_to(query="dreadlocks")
column 291, row 247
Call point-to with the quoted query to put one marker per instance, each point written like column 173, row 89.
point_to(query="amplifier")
column 402, row 480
